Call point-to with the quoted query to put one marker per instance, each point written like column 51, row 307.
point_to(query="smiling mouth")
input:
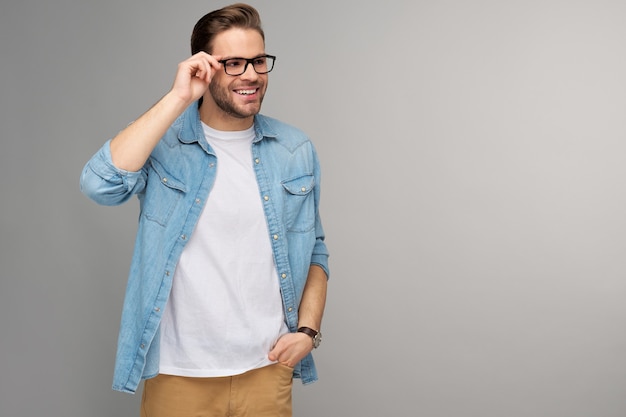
column 246, row 92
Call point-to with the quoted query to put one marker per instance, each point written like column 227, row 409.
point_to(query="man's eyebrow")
column 240, row 57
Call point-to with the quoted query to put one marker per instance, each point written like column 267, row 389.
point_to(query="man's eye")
column 234, row 63
column 260, row 60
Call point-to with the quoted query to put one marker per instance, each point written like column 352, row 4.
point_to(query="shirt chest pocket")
column 162, row 195
column 299, row 203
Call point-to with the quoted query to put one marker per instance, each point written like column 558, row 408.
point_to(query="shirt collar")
column 191, row 128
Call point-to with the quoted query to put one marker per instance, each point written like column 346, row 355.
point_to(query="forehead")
column 238, row 42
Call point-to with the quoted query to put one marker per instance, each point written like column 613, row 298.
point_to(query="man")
column 227, row 284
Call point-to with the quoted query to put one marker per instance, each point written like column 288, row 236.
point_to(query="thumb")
column 275, row 352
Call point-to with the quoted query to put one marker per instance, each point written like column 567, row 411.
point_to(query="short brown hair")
column 237, row 15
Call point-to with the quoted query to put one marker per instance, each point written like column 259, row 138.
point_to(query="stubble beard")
column 222, row 99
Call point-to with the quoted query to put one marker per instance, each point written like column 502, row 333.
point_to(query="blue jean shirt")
column 172, row 188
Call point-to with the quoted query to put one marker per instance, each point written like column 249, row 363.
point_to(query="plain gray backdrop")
column 473, row 196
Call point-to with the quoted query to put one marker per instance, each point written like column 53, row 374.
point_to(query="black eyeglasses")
column 237, row 66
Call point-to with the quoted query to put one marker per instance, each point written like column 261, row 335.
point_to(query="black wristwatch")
column 316, row 336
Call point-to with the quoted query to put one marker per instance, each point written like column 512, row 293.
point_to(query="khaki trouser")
column 263, row 392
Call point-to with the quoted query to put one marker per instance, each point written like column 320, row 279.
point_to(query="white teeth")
column 246, row 92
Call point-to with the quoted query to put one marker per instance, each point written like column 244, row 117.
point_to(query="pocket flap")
column 300, row 185
column 166, row 178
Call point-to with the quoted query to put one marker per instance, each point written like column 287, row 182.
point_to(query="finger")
column 204, row 70
column 274, row 354
column 211, row 60
column 214, row 61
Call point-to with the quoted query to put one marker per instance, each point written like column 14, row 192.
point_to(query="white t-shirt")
column 225, row 312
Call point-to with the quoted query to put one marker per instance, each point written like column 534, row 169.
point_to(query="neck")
column 220, row 120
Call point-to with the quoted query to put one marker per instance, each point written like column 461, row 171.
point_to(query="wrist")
column 176, row 101
column 315, row 335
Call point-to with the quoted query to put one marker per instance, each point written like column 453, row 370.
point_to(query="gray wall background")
column 473, row 197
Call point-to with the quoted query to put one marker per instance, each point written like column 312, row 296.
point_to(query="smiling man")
column 227, row 284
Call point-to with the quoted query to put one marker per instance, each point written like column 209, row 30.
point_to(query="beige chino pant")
column 263, row 392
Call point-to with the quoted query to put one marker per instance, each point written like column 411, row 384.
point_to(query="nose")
column 249, row 73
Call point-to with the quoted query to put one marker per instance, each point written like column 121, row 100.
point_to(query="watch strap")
column 316, row 336
column 308, row 330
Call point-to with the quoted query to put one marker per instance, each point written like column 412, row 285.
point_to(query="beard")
column 223, row 99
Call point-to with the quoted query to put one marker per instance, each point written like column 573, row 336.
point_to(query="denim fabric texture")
column 172, row 188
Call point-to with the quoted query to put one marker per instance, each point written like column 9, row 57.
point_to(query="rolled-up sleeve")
column 106, row 184
column 319, row 255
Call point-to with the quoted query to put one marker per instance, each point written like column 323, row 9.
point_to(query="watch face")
column 317, row 340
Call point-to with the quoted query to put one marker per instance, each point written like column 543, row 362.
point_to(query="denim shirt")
column 172, row 188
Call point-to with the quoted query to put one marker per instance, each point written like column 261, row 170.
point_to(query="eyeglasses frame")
column 249, row 61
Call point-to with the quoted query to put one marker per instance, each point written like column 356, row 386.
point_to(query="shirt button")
column 275, row 237
column 212, row 165
column 290, row 309
column 157, row 309
column 283, row 276
column 142, row 346
column 183, row 237
column 167, row 273
column 266, row 198
column 257, row 160
column 164, row 180
column 197, row 201
column 303, row 189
